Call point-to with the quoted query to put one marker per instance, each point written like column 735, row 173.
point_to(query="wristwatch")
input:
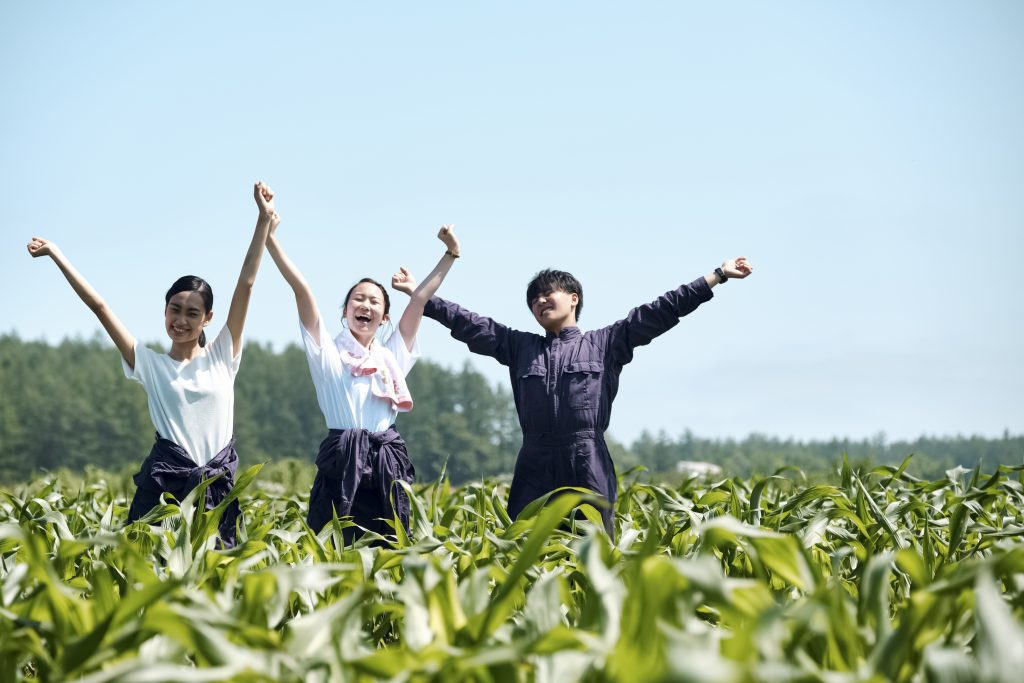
column 722, row 277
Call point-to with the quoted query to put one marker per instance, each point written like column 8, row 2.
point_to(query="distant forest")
column 70, row 406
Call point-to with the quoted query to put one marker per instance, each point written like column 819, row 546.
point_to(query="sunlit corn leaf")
column 1000, row 642
column 878, row 577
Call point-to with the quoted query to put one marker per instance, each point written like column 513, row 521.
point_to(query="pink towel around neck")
column 387, row 380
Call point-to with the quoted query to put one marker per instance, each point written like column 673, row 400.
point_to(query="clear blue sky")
column 867, row 157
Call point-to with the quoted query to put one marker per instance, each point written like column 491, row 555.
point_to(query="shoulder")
column 316, row 342
column 601, row 334
column 145, row 356
column 222, row 344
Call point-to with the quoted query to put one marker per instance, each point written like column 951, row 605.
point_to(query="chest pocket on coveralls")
column 533, row 392
column 583, row 378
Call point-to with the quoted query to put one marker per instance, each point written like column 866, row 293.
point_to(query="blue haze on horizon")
column 867, row 157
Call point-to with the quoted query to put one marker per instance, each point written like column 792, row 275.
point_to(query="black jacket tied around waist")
column 357, row 471
column 169, row 469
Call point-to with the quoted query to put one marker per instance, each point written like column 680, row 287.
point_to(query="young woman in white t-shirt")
column 360, row 386
column 190, row 389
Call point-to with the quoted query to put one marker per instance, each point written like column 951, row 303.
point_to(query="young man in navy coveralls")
column 564, row 382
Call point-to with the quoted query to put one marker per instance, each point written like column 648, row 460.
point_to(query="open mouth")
column 179, row 330
column 363, row 318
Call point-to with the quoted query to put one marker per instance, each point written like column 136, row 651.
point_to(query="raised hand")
column 40, row 247
column 447, row 235
column 737, row 268
column 403, row 281
column 275, row 221
column 264, row 198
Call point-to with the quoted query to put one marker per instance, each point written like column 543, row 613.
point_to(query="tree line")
column 70, row 406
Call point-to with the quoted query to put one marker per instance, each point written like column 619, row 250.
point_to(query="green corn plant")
column 875, row 576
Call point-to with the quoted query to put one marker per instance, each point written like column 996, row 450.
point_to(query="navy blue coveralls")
column 563, row 386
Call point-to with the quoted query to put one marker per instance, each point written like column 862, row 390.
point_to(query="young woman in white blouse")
column 190, row 389
column 360, row 386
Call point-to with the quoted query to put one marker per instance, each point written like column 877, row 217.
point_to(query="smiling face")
column 185, row 315
column 555, row 298
column 365, row 310
column 555, row 309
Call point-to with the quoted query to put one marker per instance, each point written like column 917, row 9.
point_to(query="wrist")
column 721, row 275
column 454, row 253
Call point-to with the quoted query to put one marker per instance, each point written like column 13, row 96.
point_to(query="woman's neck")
column 185, row 351
column 364, row 340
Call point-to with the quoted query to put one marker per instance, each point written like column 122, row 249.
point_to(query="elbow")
column 246, row 281
column 299, row 287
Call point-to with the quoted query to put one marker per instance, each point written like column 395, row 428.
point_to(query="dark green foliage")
column 761, row 454
column 276, row 413
column 69, row 406
column 458, row 417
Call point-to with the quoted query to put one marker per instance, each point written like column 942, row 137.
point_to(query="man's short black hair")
column 549, row 280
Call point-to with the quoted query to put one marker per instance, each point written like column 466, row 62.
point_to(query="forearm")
column 650, row 320
column 246, row 279
column 285, row 265
column 251, row 264
column 304, row 300
column 409, row 325
column 644, row 323
column 89, row 296
column 430, row 285
column 677, row 303
column 123, row 340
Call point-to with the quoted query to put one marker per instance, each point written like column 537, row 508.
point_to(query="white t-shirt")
column 191, row 403
column 345, row 399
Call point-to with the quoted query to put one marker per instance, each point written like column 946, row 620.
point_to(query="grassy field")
column 874, row 577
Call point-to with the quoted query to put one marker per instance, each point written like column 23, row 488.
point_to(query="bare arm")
column 304, row 301
column 122, row 338
column 403, row 281
column 250, row 266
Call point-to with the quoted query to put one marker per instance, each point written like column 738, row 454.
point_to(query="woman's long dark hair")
column 193, row 283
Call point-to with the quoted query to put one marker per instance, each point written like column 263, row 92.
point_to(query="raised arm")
column 403, row 281
column 122, row 338
column 250, row 266
column 479, row 333
column 642, row 324
column 304, row 301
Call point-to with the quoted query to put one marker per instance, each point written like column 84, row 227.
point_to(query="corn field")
column 875, row 577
